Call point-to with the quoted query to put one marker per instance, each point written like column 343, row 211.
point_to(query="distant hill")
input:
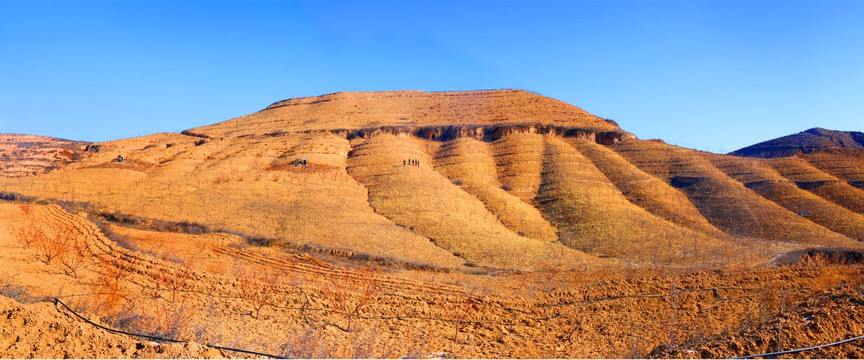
column 815, row 139
column 25, row 155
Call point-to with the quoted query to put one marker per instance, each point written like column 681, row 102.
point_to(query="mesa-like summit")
column 498, row 179
column 476, row 224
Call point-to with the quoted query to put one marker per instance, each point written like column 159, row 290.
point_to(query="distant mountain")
column 815, row 139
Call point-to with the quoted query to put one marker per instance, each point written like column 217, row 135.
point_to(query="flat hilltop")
column 479, row 224
column 409, row 110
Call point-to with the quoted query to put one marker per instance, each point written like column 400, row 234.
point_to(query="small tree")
column 75, row 256
column 112, row 299
column 50, row 247
column 348, row 293
column 259, row 287
column 28, row 234
column 460, row 311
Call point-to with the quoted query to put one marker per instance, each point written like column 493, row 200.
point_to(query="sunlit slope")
column 421, row 199
column 469, row 163
column 241, row 185
column 594, row 216
column 519, row 158
column 810, row 178
column 725, row 202
column 646, row 191
column 847, row 166
column 358, row 110
column 760, row 177
column 27, row 155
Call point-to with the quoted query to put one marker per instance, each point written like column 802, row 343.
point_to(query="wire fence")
column 157, row 338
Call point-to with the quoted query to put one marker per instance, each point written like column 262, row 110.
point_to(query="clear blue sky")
column 713, row 75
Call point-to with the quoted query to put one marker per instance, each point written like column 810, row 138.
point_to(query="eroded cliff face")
column 480, row 132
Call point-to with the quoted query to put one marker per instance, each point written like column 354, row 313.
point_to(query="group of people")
column 412, row 162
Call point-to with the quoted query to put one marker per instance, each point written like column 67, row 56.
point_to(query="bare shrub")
column 258, row 287
column 167, row 317
column 112, row 299
column 173, row 281
column 50, row 247
column 308, row 343
column 461, row 310
column 348, row 293
column 75, row 257
column 28, row 233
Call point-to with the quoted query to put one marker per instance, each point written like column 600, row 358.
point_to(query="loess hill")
column 501, row 179
column 481, row 224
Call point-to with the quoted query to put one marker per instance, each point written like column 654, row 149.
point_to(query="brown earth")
column 26, row 155
column 474, row 224
column 204, row 281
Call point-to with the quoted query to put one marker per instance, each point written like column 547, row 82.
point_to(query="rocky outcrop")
column 480, row 132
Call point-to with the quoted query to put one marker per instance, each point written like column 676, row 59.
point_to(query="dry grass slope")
column 647, row 191
column 470, row 164
column 226, row 184
column 810, row 178
column 760, row 177
column 443, row 212
column 594, row 216
column 725, row 202
column 519, row 158
column 845, row 165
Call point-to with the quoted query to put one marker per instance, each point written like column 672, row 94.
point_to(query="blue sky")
column 712, row 75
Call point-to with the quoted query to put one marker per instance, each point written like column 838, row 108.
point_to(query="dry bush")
column 172, row 281
column 28, row 234
column 167, row 317
column 462, row 310
column 308, row 343
column 75, row 257
column 259, row 287
column 112, row 299
column 49, row 248
column 348, row 293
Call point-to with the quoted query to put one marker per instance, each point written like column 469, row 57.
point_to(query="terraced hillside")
column 213, row 291
column 491, row 179
column 764, row 180
column 411, row 224
column 726, row 202
column 26, row 155
column 845, row 165
column 810, row 178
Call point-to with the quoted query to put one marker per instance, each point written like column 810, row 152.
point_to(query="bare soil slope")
column 26, row 155
column 607, row 313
